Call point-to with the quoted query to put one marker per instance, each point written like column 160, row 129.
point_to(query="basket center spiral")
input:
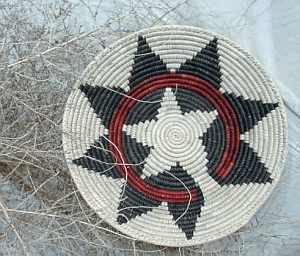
column 174, row 135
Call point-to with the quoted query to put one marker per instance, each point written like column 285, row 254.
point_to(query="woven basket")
column 175, row 135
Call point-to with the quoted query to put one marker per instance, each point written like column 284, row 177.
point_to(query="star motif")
column 171, row 144
column 172, row 135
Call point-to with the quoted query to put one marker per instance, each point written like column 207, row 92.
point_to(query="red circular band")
column 173, row 80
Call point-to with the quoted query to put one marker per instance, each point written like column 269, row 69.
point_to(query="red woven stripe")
column 196, row 85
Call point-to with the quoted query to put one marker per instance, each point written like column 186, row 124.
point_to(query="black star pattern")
column 184, row 105
column 133, row 203
column 146, row 64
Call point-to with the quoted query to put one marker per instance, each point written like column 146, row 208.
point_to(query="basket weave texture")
column 175, row 135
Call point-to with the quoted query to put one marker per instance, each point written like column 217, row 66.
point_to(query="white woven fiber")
column 175, row 107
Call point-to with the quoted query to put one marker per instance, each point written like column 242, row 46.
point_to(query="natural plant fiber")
column 175, row 135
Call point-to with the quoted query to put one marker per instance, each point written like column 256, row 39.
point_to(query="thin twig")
column 9, row 222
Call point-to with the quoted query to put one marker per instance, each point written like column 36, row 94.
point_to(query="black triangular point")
column 103, row 100
column 146, row 63
column 98, row 159
column 248, row 168
column 205, row 64
column 133, row 203
column 249, row 112
column 186, row 215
